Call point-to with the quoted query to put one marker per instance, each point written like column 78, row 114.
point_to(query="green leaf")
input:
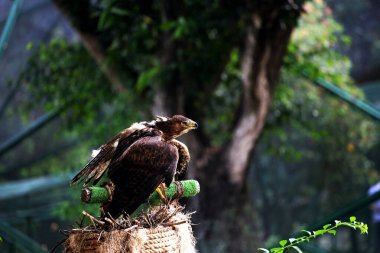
column 119, row 11
column 182, row 28
column 319, row 232
column 283, row 242
column 352, row 218
column 326, row 226
column 297, row 249
column 168, row 25
column 277, row 250
column 332, row 231
column 147, row 77
column 103, row 20
column 29, row 45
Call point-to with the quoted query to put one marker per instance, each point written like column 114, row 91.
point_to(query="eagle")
column 138, row 160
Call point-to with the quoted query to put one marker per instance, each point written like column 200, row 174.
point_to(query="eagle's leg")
column 161, row 190
column 110, row 187
column 183, row 160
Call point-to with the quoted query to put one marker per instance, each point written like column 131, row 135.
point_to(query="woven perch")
column 152, row 228
column 160, row 230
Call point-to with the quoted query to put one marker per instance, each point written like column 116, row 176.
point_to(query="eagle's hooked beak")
column 191, row 124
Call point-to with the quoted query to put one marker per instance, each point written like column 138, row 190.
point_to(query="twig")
column 174, row 223
column 130, row 228
column 57, row 245
column 80, row 223
column 100, row 235
column 113, row 220
column 110, row 221
column 92, row 218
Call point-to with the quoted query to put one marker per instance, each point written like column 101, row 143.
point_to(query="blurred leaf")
column 119, row 11
column 147, row 77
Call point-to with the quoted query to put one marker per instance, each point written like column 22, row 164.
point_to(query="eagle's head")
column 172, row 127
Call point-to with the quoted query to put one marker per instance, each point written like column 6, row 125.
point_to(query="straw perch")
column 152, row 228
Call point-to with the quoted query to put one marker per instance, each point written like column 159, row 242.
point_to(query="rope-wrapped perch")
column 176, row 190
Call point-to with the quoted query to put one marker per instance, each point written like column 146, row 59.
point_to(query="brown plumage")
column 138, row 160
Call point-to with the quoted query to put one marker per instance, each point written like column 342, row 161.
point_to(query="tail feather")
column 97, row 172
column 96, row 167
column 98, row 176
column 80, row 175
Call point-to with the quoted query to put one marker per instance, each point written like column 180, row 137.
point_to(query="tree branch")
column 79, row 14
column 260, row 71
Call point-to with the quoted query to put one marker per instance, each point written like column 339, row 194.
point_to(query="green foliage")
column 333, row 130
column 64, row 74
column 45, row 73
column 312, row 157
column 292, row 243
column 57, row 59
column 147, row 77
column 312, row 48
column 138, row 37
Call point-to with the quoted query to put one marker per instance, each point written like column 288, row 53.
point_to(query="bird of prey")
column 139, row 160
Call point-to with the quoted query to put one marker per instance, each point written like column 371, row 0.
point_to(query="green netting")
column 9, row 24
column 19, row 239
column 347, row 97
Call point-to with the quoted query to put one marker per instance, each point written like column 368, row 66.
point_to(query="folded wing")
column 138, row 172
column 110, row 151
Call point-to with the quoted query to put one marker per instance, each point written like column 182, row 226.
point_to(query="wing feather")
column 96, row 168
column 97, row 165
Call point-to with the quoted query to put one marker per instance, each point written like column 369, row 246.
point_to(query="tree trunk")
column 226, row 212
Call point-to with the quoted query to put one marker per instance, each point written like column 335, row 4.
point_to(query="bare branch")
column 79, row 14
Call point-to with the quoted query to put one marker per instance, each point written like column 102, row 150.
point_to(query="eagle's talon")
column 161, row 190
column 110, row 187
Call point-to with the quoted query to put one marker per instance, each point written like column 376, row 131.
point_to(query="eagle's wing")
column 98, row 165
column 138, row 172
column 96, row 168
